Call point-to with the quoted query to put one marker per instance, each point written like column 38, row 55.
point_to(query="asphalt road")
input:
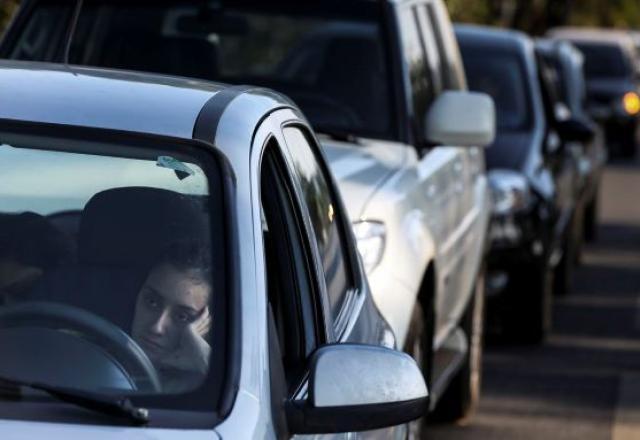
column 584, row 383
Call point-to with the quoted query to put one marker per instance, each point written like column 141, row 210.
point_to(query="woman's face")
column 168, row 302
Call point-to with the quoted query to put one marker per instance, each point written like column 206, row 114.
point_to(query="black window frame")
column 165, row 411
column 351, row 261
column 310, row 319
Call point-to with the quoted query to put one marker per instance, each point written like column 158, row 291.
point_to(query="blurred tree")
column 536, row 16
column 7, row 7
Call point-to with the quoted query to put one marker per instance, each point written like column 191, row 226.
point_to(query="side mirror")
column 461, row 119
column 575, row 130
column 358, row 388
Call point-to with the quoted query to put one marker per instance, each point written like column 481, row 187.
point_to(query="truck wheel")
column 628, row 144
column 528, row 320
column 419, row 345
column 460, row 400
column 563, row 277
column 591, row 219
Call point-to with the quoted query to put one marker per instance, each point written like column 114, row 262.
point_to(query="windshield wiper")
column 114, row 406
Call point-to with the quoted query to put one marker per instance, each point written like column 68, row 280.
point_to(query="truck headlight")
column 631, row 103
column 371, row 238
column 510, row 192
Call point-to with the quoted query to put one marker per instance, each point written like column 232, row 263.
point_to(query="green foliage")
column 536, row 16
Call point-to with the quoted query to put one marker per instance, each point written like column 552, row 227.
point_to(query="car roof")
column 594, row 35
column 110, row 99
column 506, row 39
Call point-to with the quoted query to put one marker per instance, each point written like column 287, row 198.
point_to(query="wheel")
column 527, row 320
column 460, row 400
column 419, row 345
column 591, row 219
column 563, row 277
column 628, row 142
column 81, row 324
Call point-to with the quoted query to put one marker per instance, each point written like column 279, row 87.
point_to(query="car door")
column 436, row 167
column 336, row 298
column 469, row 168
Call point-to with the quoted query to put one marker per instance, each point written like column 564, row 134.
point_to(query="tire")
column 628, row 145
column 528, row 319
column 419, row 345
column 460, row 400
column 591, row 219
column 563, row 277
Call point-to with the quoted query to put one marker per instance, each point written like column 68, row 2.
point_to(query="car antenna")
column 71, row 32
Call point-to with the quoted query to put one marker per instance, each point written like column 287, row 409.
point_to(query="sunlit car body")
column 611, row 66
column 367, row 75
column 95, row 132
column 533, row 177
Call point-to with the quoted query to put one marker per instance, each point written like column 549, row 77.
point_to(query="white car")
column 177, row 263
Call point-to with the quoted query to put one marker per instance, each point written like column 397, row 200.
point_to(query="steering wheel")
column 90, row 327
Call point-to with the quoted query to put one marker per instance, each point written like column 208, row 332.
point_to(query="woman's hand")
column 192, row 354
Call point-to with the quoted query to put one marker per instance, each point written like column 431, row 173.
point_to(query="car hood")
column 610, row 87
column 360, row 168
column 510, row 150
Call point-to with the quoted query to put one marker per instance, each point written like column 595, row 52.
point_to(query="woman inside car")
column 172, row 317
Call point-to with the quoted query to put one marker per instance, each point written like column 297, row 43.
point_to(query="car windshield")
column 602, row 60
column 107, row 261
column 502, row 76
column 328, row 57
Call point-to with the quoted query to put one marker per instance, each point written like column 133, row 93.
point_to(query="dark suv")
column 611, row 67
column 533, row 177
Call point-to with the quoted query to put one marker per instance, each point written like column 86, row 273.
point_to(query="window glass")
column 501, row 76
column 322, row 212
column 418, row 68
column 329, row 58
column 111, row 257
column 44, row 33
column 604, row 60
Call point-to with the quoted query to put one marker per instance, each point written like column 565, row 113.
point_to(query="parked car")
column 611, row 66
column 567, row 63
column 533, row 178
column 383, row 85
column 250, row 232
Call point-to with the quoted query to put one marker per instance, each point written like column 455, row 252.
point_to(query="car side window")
column 321, row 206
column 289, row 287
column 420, row 76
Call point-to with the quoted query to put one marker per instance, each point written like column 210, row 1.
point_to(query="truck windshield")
column 604, row 60
column 107, row 262
column 328, row 57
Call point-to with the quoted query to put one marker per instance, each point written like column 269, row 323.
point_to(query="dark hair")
column 188, row 256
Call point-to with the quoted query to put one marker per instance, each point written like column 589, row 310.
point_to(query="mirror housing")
column 575, row 130
column 461, row 119
column 357, row 388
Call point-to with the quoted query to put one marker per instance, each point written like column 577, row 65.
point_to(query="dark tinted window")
column 329, row 59
column 502, row 76
column 418, row 69
column 322, row 208
column 604, row 60
column 43, row 37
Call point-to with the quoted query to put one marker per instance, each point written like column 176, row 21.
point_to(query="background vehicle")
column 124, row 172
column 420, row 212
column 611, row 67
column 533, row 179
column 591, row 156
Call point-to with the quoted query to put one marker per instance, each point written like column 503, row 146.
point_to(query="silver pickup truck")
column 382, row 84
